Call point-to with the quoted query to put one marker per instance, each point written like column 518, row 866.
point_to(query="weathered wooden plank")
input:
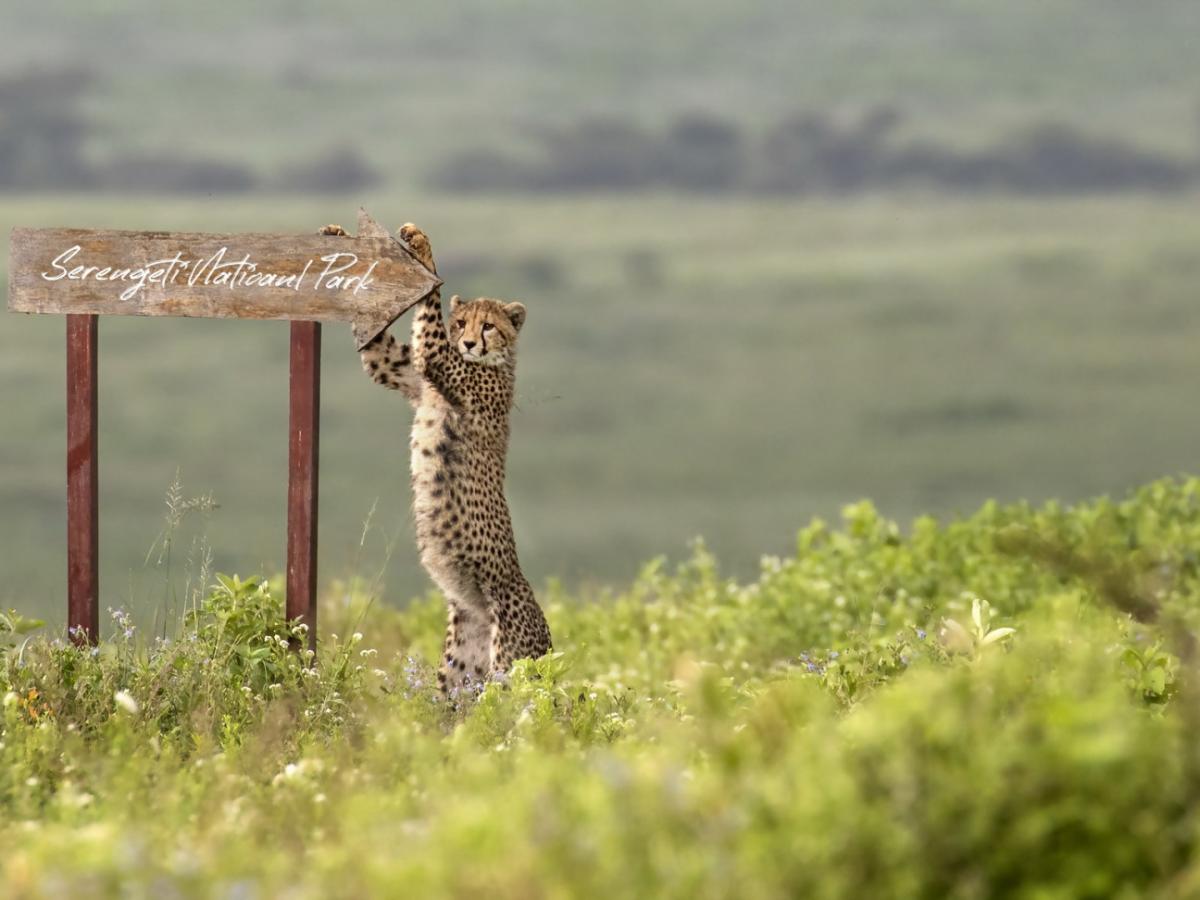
column 304, row 423
column 369, row 280
column 83, row 504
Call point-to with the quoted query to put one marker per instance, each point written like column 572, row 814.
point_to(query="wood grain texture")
column 304, row 432
column 368, row 280
column 83, row 504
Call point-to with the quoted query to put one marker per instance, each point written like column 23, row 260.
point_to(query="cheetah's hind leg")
column 466, row 657
column 519, row 629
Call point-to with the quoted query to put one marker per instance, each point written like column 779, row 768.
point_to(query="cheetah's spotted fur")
column 460, row 384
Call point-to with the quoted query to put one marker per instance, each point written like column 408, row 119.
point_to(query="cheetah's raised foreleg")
column 385, row 359
column 432, row 354
column 389, row 363
column 418, row 243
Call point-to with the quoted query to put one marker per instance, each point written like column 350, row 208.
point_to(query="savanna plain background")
column 777, row 257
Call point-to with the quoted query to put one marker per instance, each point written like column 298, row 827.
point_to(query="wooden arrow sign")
column 369, row 280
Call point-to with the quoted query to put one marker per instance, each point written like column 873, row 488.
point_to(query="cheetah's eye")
column 488, row 326
column 461, row 323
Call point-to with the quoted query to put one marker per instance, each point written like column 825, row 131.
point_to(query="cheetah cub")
column 460, row 384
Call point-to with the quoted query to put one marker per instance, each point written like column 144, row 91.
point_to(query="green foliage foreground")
column 999, row 705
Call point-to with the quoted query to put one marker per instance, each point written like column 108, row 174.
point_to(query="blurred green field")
column 690, row 367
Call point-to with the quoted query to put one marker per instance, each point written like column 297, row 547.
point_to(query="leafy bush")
column 999, row 705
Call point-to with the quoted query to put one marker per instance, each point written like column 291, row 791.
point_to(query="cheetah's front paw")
column 410, row 232
column 363, row 337
column 418, row 243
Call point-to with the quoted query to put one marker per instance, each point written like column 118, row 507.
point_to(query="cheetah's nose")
column 468, row 344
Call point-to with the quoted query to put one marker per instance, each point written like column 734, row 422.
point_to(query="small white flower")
column 954, row 637
column 10, row 699
column 297, row 770
column 356, row 637
column 124, row 700
column 69, row 796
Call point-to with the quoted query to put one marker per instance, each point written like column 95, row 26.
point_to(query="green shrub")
column 997, row 706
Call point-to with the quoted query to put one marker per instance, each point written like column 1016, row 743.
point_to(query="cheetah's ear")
column 516, row 314
column 455, row 303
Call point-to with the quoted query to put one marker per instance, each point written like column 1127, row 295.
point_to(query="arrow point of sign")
column 368, row 328
column 371, row 325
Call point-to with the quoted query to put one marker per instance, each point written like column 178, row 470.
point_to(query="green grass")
column 966, row 711
column 690, row 367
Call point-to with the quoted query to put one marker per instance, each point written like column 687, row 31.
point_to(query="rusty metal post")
column 83, row 504
column 303, row 453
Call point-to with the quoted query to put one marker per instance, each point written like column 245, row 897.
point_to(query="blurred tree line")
column 43, row 146
column 45, row 140
column 811, row 152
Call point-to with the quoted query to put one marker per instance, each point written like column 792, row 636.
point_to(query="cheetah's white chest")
column 427, row 432
column 433, row 499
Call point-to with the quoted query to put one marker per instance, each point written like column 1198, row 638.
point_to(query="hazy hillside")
column 274, row 81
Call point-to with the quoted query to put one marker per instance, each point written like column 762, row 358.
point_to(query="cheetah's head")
column 485, row 330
